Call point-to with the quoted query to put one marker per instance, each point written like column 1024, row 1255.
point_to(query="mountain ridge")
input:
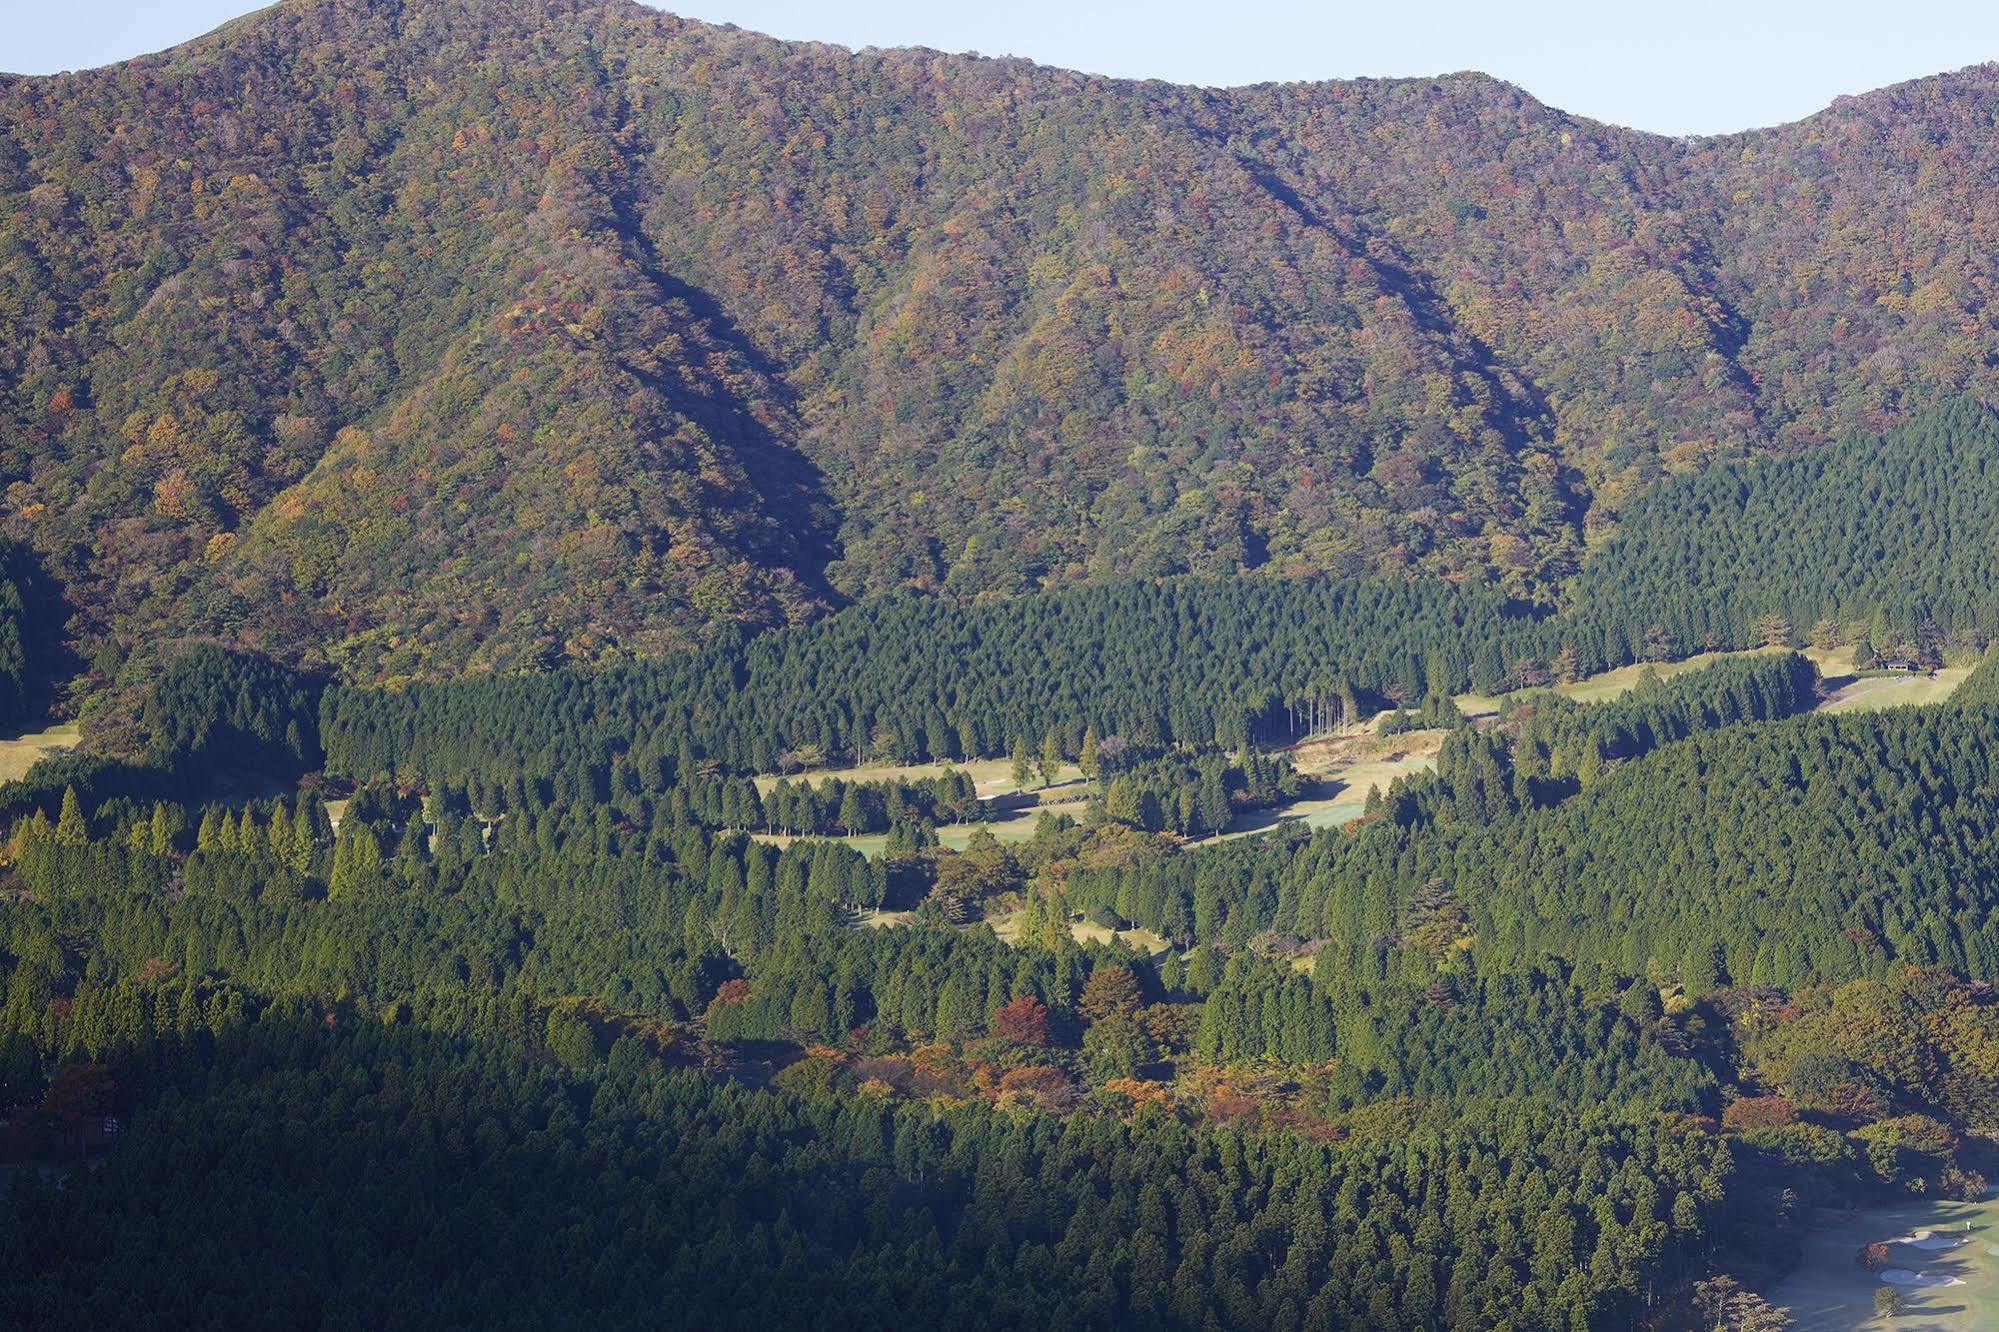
column 413, row 338
column 1136, row 81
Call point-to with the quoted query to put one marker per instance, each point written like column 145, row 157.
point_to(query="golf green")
column 1949, row 1275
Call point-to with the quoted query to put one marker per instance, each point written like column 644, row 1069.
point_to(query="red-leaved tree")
column 1024, row 1021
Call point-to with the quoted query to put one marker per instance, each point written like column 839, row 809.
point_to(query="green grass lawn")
column 1829, row 1292
column 1335, row 802
column 1088, row 931
column 992, row 777
column 1607, row 685
column 22, row 752
column 1852, row 694
column 1870, row 693
column 1008, row 929
column 1016, row 827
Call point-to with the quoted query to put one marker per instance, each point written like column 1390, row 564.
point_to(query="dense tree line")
column 1879, row 534
column 1188, row 792
column 1545, row 751
column 1981, row 687
column 210, row 719
column 566, row 901
column 1458, row 1035
column 232, row 712
column 265, row 1165
column 32, row 658
column 1820, row 847
column 913, row 678
column 808, row 808
column 1559, row 745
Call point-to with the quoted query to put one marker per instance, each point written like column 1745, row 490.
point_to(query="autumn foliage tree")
column 1758, row 1112
column 1023, row 1020
column 1111, row 991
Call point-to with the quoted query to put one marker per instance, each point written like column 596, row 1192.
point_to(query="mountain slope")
column 418, row 336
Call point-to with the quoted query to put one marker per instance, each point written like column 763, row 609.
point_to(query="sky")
column 1692, row 67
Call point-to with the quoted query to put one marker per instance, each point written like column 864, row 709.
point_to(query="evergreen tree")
column 357, row 860
column 71, row 828
column 1051, row 758
column 853, row 816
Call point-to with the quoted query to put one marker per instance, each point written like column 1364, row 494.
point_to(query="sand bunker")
column 1902, row 1276
column 1929, row 1239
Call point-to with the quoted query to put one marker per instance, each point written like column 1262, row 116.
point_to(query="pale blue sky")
column 1698, row 66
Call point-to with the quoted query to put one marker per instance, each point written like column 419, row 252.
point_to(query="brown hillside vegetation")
column 426, row 335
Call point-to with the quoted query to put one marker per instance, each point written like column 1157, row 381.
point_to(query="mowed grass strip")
column 23, row 752
column 991, row 777
column 1850, row 692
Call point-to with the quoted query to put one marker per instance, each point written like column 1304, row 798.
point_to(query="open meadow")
column 22, row 752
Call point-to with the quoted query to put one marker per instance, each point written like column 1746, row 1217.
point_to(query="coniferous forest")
column 702, row 682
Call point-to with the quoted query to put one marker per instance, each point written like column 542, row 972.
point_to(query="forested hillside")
column 1342, row 1089
column 1827, row 848
column 1888, row 534
column 688, row 1205
column 419, row 337
column 1878, row 543
column 727, row 683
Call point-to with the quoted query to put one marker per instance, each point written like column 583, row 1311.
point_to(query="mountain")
column 413, row 337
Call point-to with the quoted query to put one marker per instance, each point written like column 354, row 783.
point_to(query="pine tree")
column 853, row 814
column 164, row 828
column 1051, row 758
column 357, row 860
column 305, row 833
column 1121, row 801
column 278, row 834
column 1772, row 630
column 1214, row 803
column 71, row 829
